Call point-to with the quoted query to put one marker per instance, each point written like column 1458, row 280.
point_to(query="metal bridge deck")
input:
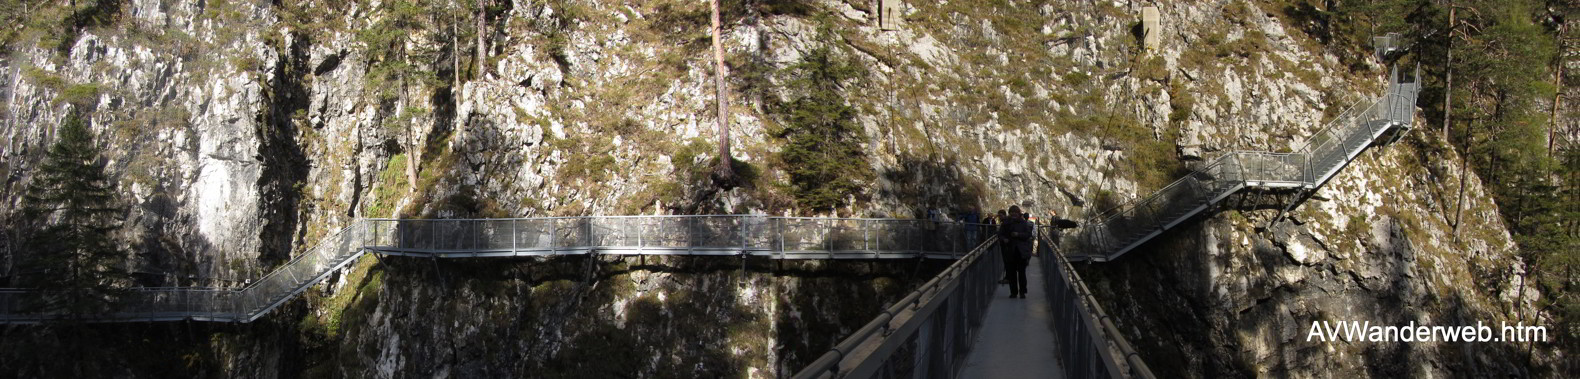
column 1015, row 341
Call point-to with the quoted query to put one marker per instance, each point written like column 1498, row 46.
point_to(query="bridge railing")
column 1331, row 146
column 777, row 237
column 926, row 334
column 151, row 303
column 1089, row 344
column 274, row 289
column 1112, row 232
column 177, row 303
column 1270, row 168
column 784, row 237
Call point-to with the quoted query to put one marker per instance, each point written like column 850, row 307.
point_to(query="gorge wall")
column 242, row 131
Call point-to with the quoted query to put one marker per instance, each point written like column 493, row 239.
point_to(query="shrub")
column 80, row 95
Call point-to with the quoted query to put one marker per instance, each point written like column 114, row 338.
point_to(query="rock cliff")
column 241, row 131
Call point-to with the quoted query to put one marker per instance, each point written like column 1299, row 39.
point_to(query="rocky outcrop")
column 579, row 317
column 1233, row 296
column 177, row 101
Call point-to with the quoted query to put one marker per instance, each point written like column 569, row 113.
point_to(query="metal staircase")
column 1112, row 233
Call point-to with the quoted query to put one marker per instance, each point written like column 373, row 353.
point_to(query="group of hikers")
column 1015, row 233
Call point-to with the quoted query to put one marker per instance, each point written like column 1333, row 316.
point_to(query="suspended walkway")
column 928, row 333
column 1112, row 233
column 1017, row 335
column 736, row 235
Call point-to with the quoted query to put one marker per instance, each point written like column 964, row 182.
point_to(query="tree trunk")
column 455, row 48
column 413, row 150
column 1558, row 84
column 1448, row 66
column 1448, row 116
column 1464, row 165
column 482, row 53
column 413, row 155
column 724, row 172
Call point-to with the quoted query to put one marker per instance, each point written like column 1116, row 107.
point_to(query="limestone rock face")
column 184, row 142
column 240, row 132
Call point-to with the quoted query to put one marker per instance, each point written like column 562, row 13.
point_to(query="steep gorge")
column 241, row 131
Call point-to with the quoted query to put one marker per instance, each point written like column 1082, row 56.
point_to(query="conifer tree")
column 70, row 256
column 824, row 154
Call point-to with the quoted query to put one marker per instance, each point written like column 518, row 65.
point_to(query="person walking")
column 1015, row 234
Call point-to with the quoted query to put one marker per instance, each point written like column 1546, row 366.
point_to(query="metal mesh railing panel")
column 731, row 234
column 927, row 333
column 1110, row 233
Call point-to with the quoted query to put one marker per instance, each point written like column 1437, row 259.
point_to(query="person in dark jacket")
column 1003, row 248
column 1015, row 236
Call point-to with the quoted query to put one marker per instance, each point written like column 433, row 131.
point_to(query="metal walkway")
column 1112, row 233
column 928, row 333
column 932, row 331
column 1017, row 335
column 734, row 235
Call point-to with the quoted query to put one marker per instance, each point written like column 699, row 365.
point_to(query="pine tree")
column 71, row 258
column 824, row 151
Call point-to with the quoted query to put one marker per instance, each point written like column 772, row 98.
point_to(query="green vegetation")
column 387, row 192
column 79, row 95
column 394, row 50
column 1150, row 67
column 71, row 205
column 1105, row 200
column 1152, row 160
column 44, row 78
column 824, row 150
column 1181, row 103
column 365, row 281
column 1504, row 53
column 591, row 168
column 54, row 25
column 83, row 95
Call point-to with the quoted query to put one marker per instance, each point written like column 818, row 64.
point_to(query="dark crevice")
column 284, row 163
column 330, row 63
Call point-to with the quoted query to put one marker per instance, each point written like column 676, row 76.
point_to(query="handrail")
column 1068, row 293
column 1112, row 232
column 1122, row 208
column 867, row 352
column 773, row 237
column 298, row 258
